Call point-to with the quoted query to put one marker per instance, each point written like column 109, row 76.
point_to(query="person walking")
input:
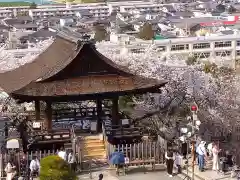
column 178, row 162
column 10, row 170
column 34, row 167
column 71, row 160
column 184, row 150
column 100, row 177
column 215, row 151
column 62, row 154
column 169, row 161
column 202, row 153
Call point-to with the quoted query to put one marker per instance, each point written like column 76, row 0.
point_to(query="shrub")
column 210, row 68
column 55, row 168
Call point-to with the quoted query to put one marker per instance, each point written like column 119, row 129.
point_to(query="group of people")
column 173, row 157
column 211, row 152
column 12, row 168
column 68, row 157
column 203, row 153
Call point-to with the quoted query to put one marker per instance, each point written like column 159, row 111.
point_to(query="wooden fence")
column 22, row 165
column 143, row 151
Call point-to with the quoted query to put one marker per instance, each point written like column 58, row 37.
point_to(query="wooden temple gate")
column 72, row 70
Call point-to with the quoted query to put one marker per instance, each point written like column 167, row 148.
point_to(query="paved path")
column 107, row 175
column 149, row 176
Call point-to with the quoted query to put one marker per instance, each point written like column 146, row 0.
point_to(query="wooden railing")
column 69, row 114
column 105, row 140
column 119, row 132
column 53, row 136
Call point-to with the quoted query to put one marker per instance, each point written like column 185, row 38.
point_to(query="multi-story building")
column 224, row 49
column 98, row 11
column 5, row 13
column 144, row 8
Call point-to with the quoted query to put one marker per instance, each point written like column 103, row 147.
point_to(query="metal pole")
column 193, row 147
column 193, row 159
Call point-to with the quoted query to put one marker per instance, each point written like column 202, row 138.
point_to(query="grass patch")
column 13, row 4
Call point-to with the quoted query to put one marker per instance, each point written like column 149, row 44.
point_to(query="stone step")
column 95, row 156
column 93, row 146
column 95, row 149
column 90, row 141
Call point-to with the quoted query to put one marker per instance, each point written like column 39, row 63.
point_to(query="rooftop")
column 68, row 69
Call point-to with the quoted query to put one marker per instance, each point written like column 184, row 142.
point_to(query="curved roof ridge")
column 57, row 69
column 19, row 77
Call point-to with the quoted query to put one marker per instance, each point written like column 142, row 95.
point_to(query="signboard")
column 12, row 144
column 83, row 84
column 125, row 121
column 36, row 125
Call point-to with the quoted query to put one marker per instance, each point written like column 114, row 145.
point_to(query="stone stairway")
column 93, row 148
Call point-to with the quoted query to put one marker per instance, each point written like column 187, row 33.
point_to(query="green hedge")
column 55, row 168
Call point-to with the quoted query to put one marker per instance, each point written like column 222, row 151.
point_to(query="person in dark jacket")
column 169, row 161
column 100, row 177
column 184, row 150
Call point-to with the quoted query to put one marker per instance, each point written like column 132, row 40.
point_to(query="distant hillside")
column 13, row 4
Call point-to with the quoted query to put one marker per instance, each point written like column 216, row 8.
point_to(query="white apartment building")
column 223, row 50
column 5, row 13
column 225, row 47
column 142, row 7
column 97, row 11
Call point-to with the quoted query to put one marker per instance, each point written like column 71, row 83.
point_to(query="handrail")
column 73, row 131
column 73, row 139
column 105, row 140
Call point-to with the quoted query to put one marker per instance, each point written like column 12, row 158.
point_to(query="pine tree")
column 146, row 32
column 100, row 33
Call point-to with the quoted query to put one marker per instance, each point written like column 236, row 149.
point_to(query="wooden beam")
column 48, row 113
column 99, row 115
column 115, row 114
column 37, row 109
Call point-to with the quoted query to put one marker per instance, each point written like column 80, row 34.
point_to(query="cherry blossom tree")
column 9, row 108
column 215, row 90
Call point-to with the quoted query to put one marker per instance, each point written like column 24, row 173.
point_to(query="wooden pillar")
column 99, row 115
column 48, row 113
column 115, row 114
column 37, row 109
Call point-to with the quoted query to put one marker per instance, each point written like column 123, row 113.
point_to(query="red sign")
column 193, row 108
column 221, row 23
column 218, row 23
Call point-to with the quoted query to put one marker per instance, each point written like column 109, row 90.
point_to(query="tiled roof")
column 72, row 68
